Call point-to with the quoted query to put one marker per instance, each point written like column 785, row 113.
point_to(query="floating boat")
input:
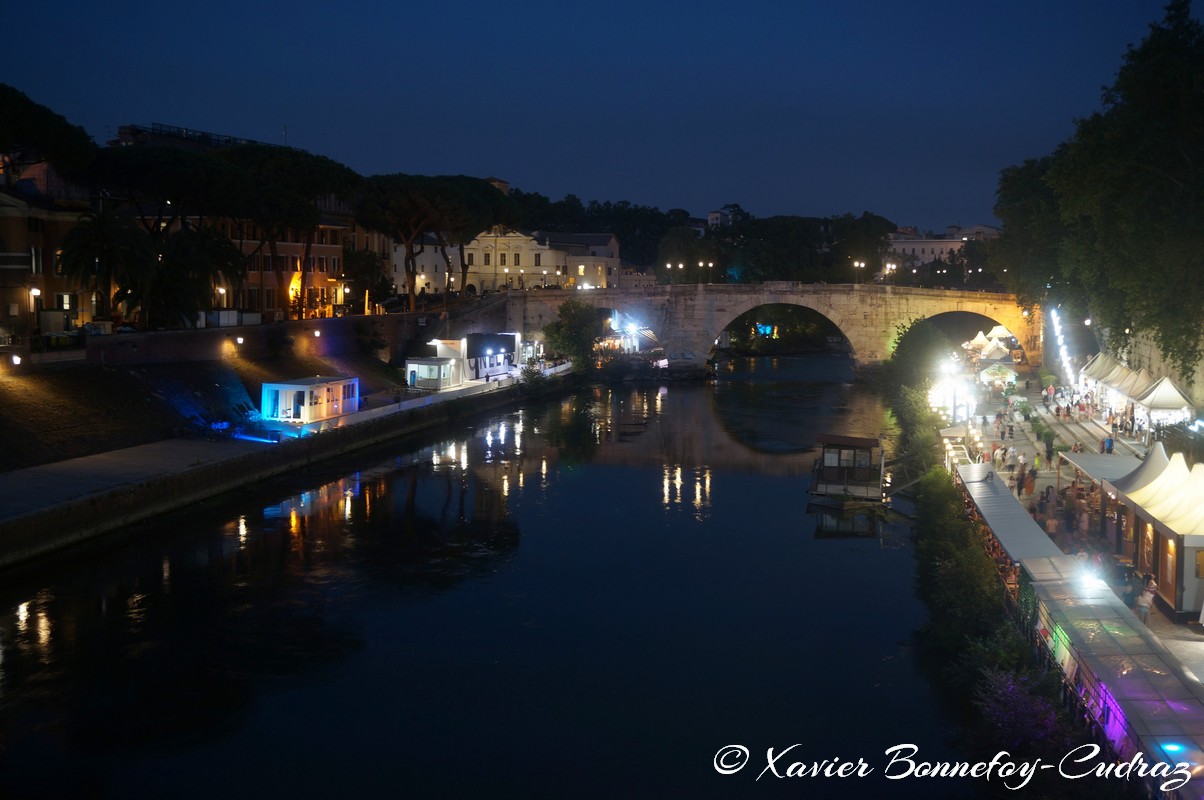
column 848, row 472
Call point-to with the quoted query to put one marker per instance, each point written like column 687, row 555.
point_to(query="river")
column 586, row 598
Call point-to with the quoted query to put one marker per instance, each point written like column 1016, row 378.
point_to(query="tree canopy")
column 1128, row 192
column 31, row 132
column 574, row 332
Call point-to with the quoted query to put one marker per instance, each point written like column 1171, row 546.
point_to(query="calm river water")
column 587, row 598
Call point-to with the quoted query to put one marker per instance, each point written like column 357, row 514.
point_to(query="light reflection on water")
column 619, row 581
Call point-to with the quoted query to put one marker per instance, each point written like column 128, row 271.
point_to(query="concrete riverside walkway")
column 1185, row 641
column 26, row 491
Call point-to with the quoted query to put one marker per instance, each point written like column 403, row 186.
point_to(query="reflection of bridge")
column 687, row 318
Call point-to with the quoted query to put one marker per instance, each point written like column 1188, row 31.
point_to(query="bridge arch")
column 687, row 318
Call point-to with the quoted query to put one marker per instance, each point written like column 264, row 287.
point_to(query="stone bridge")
column 687, row 318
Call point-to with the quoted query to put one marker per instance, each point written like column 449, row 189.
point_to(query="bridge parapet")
column 687, row 318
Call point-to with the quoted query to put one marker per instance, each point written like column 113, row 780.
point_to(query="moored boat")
column 848, row 472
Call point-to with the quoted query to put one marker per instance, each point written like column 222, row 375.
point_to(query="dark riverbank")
column 132, row 461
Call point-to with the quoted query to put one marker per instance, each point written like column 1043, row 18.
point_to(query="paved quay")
column 26, row 491
column 1184, row 640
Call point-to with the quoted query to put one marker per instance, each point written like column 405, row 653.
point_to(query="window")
column 486, row 259
column 321, row 263
column 501, row 259
column 537, row 255
column 63, row 301
column 469, row 262
column 581, row 269
column 517, row 256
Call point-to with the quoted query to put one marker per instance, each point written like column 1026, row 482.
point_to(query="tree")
column 467, row 207
column 574, row 332
column 30, row 132
column 406, row 207
column 104, row 250
column 171, row 290
column 678, row 255
column 1129, row 190
column 289, row 184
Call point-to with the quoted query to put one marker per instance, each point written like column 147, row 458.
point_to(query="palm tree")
column 104, row 250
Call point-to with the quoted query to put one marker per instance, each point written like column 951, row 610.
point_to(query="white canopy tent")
column 979, row 341
column 1183, row 505
column 1099, row 366
column 1116, row 376
column 999, row 332
column 1136, row 384
column 1153, row 465
column 996, row 352
column 1164, row 396
column 1169, row 482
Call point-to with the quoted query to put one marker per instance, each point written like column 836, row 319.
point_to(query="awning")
column 1020, row 536
column 1101, row 467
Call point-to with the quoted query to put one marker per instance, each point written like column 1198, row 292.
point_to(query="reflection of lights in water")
column 697, row 489
column 489, row 439
column 520, row 477
column 505, row 485
column 543, row 467
column 294, row 523
column 677, row 483
column 347, row 505
column 501, row 434
column 665, row 485
column 43, row 631
column 242, row 531
column 707, row 483
column 166, row 574
column 22, row 617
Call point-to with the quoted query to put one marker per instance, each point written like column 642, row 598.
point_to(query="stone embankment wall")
column 53, row 529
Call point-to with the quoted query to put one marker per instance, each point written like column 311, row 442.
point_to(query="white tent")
column 1170, row 482
column 999, row 332
column 1118, row 375
column 1099, row 366
column 1163, row 395
column 980, row 340
column 1136, row 384
column 996, row 352
column 1184, row 505
column 1153, row 466
column 1085, row 371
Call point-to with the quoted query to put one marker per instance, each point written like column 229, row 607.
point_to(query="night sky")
column 908, row 110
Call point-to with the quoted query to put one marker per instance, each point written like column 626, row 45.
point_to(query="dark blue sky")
column 908, row 110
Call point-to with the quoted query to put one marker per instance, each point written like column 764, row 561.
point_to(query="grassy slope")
column 55, row 413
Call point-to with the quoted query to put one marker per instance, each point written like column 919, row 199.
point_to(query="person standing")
column 1142, row 604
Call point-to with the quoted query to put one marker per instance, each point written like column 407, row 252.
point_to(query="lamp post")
column 35, row 295
column 857, row 267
